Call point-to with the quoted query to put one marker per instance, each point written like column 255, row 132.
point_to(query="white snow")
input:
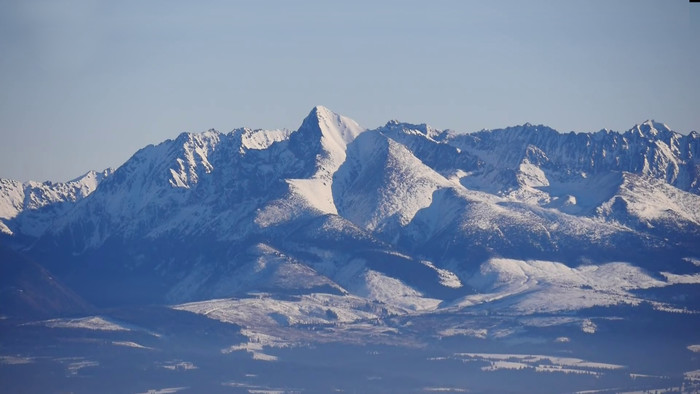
column 179, row 365
column 11, row 198
column 552, row 368
column 339, row 129
column 15, row 360
column 384, row 184
column 544, row 286
column 589, row 327
column 263, row 357
column 538, row 363
column 447, row 277
column 635, row 376
column 531, row 176
column 268, row 321
column 262, row 139
column 496, row 365
column 693, row 375
column 261, row 267
column 165, row 390
column 480, row 333
column 261, row 311
column 392, row 291
column 256, row 344
column 656, row 390
column 194, row 160
column 681, row 279
column 652, row 199
column 376, row 185
column 316, row 192
column 74, row 368
column 693, row 260
column 257, row 389
column 130, row 344
column 337, row 132
column 89, row 323
column 17, row 197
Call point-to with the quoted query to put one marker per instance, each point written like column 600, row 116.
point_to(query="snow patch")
column 589, row 327
column 260, row 311
column 179, row 365
column 262, row 139
column 693, row 375
column 481, row 333
column 447, row 278
column 394, row 292
column 536, row 286
column 89, row 323
column 166, row 390
column 15, row 360
column 75, row 367
column 317, row 192
column 693, row 260
column 130, row 344
column 681, row 279
column 538, row 363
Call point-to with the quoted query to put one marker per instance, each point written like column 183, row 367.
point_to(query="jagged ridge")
column 339, row 201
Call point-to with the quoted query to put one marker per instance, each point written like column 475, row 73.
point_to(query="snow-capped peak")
column 88, row 182
column 17, row 197
column 260, row 139
column 337, row 129
column 650, row 129
column 422, row 129
column 322, row 137
column 357, row 211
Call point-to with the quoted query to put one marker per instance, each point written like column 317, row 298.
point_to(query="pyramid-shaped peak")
column 320, row 113
column 650, row 128
column 660, row 126
column 338, row 128
column 320, row 110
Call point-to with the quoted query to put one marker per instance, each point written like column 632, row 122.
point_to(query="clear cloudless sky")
column 84, row 84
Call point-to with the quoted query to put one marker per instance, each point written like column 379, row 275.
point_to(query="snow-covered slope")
column 527, row 287
column 18, row 197
column 531, row 156
column 225, row 185
column 510, row 244
column 645, row 179
column 322, row 139
column 403, row 215
column 652, row 204
column 382, row 184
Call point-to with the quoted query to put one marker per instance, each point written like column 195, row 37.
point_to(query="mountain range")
column 335, row 225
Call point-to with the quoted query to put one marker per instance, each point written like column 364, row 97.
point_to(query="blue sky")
column 84, row 84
